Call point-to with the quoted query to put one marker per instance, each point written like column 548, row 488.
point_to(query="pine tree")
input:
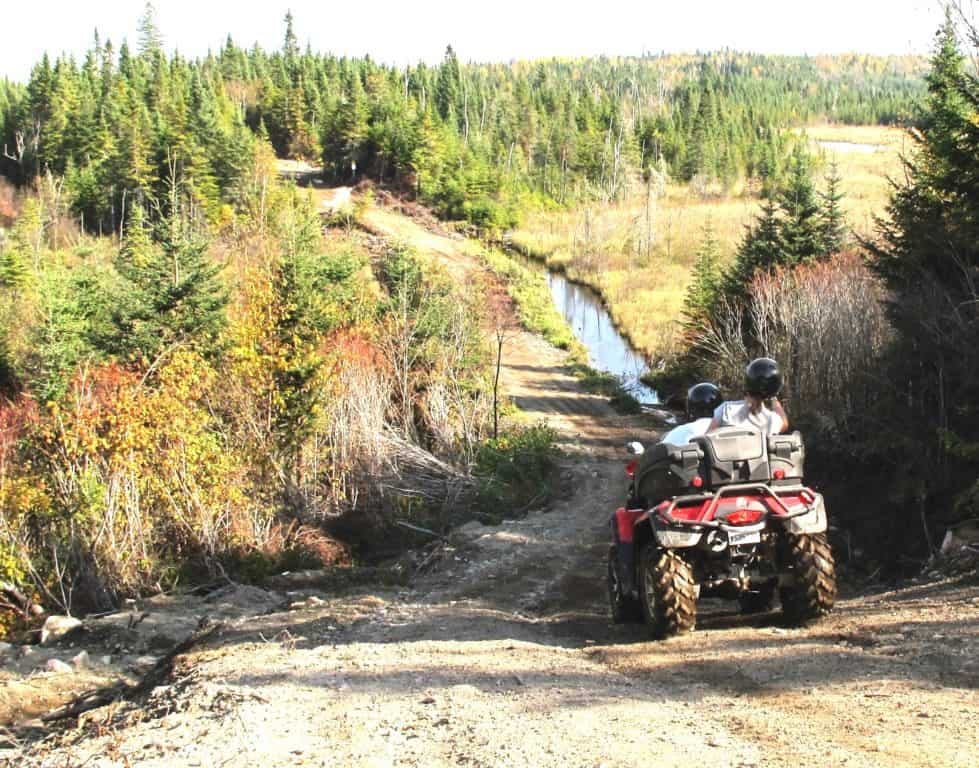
column 14, row 272
column 801, row 228
column 448, row 87
column 136, row 248
column 171, row 291
column 931, row 219
column 150, row 39
column 706, row 281
column 761, row 249
column 835, row 233
column 290, row 44
column 927, row 252
column 346, row 134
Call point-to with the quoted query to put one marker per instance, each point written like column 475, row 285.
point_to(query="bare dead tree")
column 24, row 140
column 502, row 321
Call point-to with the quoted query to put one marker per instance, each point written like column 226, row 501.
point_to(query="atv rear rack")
column 731, row 490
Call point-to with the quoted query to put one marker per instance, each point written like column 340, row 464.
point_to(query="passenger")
column 760, row 409
column 702, row 400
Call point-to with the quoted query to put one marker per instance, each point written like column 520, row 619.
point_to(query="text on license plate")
column 743, row 537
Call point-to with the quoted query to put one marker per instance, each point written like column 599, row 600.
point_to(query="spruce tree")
column 835, row 233
column 171, row 294
column 448, row 87
column 761, row 249
column 14, row 272
column 706, row 281
column 801, row 228
column 150, row 39
column 927, row 252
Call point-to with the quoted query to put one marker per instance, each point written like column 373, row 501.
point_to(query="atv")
column 728, row 516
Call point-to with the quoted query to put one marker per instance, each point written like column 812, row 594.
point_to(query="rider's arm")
column 714, row 424
column 777, row 407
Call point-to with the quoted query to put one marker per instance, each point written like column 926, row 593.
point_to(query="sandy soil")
column 501, row 654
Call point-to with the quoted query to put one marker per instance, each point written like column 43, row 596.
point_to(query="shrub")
column 824, row 323
column 516, row 471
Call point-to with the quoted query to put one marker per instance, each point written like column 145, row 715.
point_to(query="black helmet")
column 762, row 378
column 702, row 400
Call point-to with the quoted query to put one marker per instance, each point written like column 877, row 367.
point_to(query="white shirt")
column 684, row 433
column 735, row 413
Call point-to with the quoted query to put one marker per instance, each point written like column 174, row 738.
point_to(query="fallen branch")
column 420, row 529
column 19, row 601
column 159, row 672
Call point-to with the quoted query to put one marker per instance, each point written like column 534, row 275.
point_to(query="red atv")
column 726, row 515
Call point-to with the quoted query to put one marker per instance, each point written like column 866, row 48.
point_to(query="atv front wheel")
column 809, row 560
column 667, row 592
column 625, row 608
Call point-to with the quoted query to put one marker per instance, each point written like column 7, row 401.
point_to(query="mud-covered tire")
column 667, row 592
column 759, row 600
column 808, row 560
column 624, row 608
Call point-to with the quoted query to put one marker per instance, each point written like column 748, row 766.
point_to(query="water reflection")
column 607, row 349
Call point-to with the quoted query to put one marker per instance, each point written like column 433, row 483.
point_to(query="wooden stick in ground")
column 160, row 671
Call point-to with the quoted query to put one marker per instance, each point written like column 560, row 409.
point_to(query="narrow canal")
column 608, row 350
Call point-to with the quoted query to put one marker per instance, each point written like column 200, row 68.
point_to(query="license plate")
column 743, row 537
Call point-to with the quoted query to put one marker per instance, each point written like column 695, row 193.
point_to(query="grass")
column 864, row 174
column 640, row 271
column 530, row 293
column 638, row 257
column 537, row 313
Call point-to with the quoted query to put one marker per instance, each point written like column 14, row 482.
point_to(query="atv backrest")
column 734, row 455
column 787, row 453
column 666, row 470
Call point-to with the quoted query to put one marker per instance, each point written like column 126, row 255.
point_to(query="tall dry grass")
column 638, row 253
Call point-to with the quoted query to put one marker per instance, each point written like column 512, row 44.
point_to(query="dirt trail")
column 502, row 655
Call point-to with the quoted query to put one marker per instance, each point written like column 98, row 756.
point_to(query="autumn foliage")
column 192, row 404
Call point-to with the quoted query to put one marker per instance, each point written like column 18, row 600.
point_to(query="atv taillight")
column 744, row 517
column 697, row 482
column 630, row 468
column 779, row 474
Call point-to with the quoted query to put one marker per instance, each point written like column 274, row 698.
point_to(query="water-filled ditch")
column 608, row 350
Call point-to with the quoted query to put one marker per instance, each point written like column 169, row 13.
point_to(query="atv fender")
column 814, row 521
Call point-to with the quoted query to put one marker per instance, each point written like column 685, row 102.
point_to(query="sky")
column 408, row 31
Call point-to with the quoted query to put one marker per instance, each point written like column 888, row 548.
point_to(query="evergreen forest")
column 481, row 142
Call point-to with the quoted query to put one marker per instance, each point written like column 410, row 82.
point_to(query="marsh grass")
column 638, row 253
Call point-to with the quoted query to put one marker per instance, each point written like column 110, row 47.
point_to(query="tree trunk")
column 496, row 382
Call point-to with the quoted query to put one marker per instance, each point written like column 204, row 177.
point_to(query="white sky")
column 406, row 31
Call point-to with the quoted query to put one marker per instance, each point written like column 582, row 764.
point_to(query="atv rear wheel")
column 667, row 592
column 758, row 600
column 625, row 608
column 809, row 560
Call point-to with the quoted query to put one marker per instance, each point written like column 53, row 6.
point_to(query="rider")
column 702, row 400
column 760, row 408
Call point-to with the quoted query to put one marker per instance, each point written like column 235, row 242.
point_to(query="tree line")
column 478, row 141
